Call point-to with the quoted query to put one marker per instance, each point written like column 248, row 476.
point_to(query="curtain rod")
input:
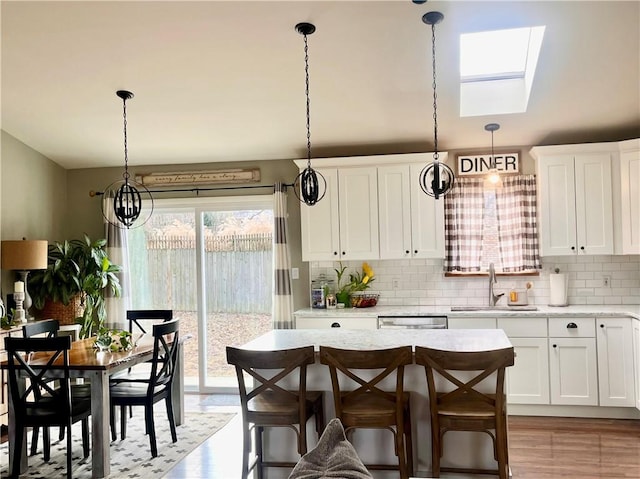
column 197, row 190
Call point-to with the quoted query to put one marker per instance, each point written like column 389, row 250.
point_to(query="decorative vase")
column 344, row 298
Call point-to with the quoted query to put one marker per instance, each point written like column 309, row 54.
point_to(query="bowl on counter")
column 361, row 299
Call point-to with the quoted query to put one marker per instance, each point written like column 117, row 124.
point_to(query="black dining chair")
column 50, row 328
column 129, row 391
column 40, row 403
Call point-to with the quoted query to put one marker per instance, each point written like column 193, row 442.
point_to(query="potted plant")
column 78, row 270
column 358, row 281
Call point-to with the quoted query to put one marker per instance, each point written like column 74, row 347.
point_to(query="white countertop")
column 463, row 340
column 600, row 310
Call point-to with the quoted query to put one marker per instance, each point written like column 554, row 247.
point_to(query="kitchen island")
column 462, row 449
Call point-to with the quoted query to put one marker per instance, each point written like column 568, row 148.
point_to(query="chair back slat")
column 48, row 327
column 165, row 353
column 135, row 316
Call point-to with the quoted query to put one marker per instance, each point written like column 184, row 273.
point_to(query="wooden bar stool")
column 368, row 406
column 458, row 404
column 268, row 404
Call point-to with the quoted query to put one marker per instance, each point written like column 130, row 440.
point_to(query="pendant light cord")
column 125, row 175
column 306, row 91
column 435, row 95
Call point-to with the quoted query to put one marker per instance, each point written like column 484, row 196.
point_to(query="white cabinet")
column 336, row 321
column 615, row 362
column 573, row 371
column 344, row 224
column 411, row 223
column 527, row 380
column 636, row 359
column 575, row 199
column 471, row 322
column 629, row 176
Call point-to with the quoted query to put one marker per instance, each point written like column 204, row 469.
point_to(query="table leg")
column 12, row 433
column 100, row 438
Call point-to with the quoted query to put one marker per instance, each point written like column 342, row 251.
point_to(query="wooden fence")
column 238, row 273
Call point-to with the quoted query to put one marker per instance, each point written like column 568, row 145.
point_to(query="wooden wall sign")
column 480, row 164
column 236, row 175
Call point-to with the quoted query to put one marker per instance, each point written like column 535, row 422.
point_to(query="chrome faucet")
column 493, row 298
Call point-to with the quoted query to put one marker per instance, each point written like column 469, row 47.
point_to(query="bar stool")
column 368, row 406
column 269, row 404
column 459, row 405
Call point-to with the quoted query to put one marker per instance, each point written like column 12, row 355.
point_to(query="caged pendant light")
column 309, row 186
column 436, row 179
column 493, row 178
column 127, row 194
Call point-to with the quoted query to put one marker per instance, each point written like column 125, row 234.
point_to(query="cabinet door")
column 427, row 220
column 594, row 204
column 320, row 223
column 394, row 206
column 358, row 201
column 556, row 197
column 636, row 359
column 347, row 322
column 528, row 379
column 469, row 322
column 630, row 204
column 573, row 372
column 615, row 362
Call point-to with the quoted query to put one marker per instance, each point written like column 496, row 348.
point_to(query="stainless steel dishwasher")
column 412, row 322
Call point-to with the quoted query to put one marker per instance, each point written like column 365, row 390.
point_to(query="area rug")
column 131, row 458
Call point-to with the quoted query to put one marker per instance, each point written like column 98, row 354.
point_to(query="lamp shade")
column 24, row 255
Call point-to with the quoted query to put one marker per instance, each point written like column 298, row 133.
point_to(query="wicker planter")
column 64, row 314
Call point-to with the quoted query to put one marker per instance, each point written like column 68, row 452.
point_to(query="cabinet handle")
column 573, row 248
column 335, row 325
column 344, row 253
column 555, row 345
column 415, row 251
column 602, row 325
column 335, row 253
column 572, row 326
column 407, row 252
column 582, row 248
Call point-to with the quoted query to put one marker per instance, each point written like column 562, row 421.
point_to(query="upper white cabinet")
column 373, row 209
column 344, row 224
column 575, row 204
column 411, row 223
column 629, row 177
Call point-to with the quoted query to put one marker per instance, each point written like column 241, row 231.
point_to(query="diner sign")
column 236, row 175
column 480, row 164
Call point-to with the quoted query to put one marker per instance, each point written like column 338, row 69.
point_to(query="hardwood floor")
column 539, row 447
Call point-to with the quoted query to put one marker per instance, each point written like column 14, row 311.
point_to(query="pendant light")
column 436, row 179
column 309, row 186
column 127, row 194
column 493, row 178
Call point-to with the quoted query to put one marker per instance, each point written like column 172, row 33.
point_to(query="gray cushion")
column 333, row 457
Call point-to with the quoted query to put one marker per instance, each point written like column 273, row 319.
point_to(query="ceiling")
column 224, row 81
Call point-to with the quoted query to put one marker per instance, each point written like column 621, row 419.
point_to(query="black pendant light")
column 309, row 186
column 127, row 194
column 436, row 179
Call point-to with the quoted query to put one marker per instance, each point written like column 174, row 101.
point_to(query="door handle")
column 335, row 325
column 572, row 326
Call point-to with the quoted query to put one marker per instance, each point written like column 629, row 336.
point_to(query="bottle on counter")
column 320, row 289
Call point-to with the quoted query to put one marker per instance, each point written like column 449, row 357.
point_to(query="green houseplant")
column 77, row 268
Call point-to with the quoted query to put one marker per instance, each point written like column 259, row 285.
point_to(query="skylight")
column 497, row 70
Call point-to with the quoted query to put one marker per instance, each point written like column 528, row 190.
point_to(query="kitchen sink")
column 494, row 308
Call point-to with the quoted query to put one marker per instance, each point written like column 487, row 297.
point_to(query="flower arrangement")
column 358, row 281
column 113, row 340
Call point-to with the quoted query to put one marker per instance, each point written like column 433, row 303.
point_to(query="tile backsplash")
column 421, row 282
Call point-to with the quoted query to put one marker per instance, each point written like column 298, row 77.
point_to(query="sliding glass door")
column 210, row 260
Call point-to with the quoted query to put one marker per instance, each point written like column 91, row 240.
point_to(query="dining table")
column 85, row 361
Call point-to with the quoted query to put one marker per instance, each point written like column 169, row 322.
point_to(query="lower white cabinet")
column 636, row 359
column 573, row 372
column 615, row 362
column 325, row 322
column 528, row 379
column 468, row 322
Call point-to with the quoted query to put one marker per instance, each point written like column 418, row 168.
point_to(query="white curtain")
column 118, row 252
column 282, row 309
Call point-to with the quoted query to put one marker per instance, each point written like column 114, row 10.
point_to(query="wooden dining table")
column 97, row 366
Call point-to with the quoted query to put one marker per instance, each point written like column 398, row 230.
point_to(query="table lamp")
column 23, row 256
